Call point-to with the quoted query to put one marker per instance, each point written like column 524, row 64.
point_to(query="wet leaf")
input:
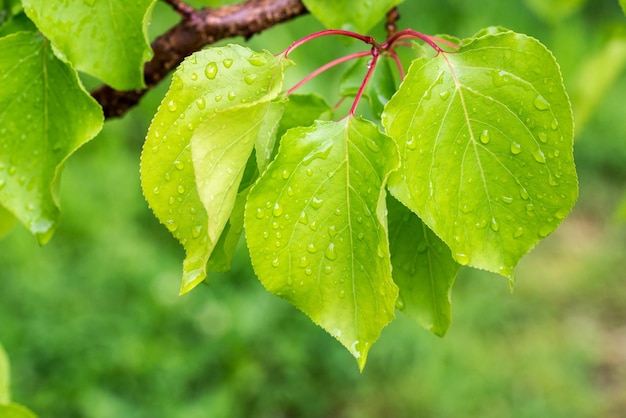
column 222, row 85
column 485, row 139
column 423, row 269
column 113, row 33
column 316, row 228
column 45, row 115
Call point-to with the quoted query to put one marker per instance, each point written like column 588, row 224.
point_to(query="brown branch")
column 205, row 27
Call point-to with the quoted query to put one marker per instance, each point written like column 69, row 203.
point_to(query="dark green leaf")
column 423, row 269
column 316, row 228
column 107, row 39
column 45, row 115
column 485, row 138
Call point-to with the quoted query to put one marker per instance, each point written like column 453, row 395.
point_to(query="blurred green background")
column 94, row 327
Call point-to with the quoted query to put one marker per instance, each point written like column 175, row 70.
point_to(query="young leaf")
column 45, row 115
column 357, row 16
column 485, row 138
column 221, row 84
column 316, row 228
column 423, row 269
column 116, row 31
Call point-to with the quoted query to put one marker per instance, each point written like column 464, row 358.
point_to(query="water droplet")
column 278, row 210
column 257, row 60
column 507, row 199
column 210, row 71
column 545, row 230
column 518, row 232
column 194, row 76
column 313, row 226
column 342, row 294
column 500, row 78
column 462, row 259
column 484, row 136
column 180, row 189
column 304, row 261
column 332, row 231
column 275, row 262
column 541, row 103
column 156, row 190
column 171, row 225
column 539, row 156
column 303, row 219
column 411, row 143
column 177, row 83
column 227, row 63
column 554, row 124
column 495, row 227
column 311, row 248
column 249, row 79
column 201, row 103
column 275, row 225
column 481, row 224
column 400, row 303
column 168, row 176
column 330, row 253
column 171, row 105
column 561, row 213
column 360, row 236
column 444, row 94
column 179, row 165
column 543, row 137
column 308, row 271
column 232, row 95
column 515, row 148
column 196, row 231
column 259, row 213
column 316, row 203
column 218, row 98
column 524, row 194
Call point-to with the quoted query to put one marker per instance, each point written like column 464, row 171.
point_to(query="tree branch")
column 205, row 27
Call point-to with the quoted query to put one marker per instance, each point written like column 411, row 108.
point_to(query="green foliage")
column 116, row 30
column 8, row 409
column 45, row 116
column 315, row 226
column 623, row 4
column 349, row 15
column 485, row 136
column 217, row 96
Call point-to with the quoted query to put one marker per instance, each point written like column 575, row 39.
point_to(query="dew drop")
column 541, row 103
column 257, row 60
column 328, row 269
column 524, row 194
column 303, row 219
column 411, row 143
column 179, row 165
column 561, row 213
column 218, row 98
column 330, row 253
column 232, row 95
column 278, row 210
column 462, row 259
column 180, row 189
column 275, row 262
column 444, row 95
column 156, row 190
column 194, row 76
column 304, row 262
column 518, row 232
column 210, row 71
column 172, row 106
column 227, row 63
column 507, row 199
column 484, row 136
column 196, row 231
column 311, row 248
column 554, row 124
column 177, row 83
column 201, row 103
column 545, row 230
column 308, row 271
column 171, row 225
column 332, row 231
column 539, row 156
column 316, row 203
column 495, row 227
column 543, row 137
column 309, row 172
column 314, row 226
column 515, row 148
column 249, row 79
column 360, row 236
column 259, row 213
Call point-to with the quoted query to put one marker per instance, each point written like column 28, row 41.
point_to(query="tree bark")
column 195, row 31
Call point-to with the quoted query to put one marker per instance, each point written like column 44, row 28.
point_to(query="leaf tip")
column 191, row 278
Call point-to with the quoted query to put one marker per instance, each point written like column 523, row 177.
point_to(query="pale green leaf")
column 485, row 139
column 5, row 378
column 316, row 228
column 205, row 85
column 7, row 221
column 45, row 115
column 357, row 16
column 107, row 39
column 268, row 133
column 423, row 269
column 15, row 411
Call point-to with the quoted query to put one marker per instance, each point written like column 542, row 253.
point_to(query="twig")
column 182, row 8
column 391, row 23
column 208, row 26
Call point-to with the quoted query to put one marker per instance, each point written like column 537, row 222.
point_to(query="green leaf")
column 5, row 378
column 379, row 88
column 7, row 221
column 623, row 4
column 45, row 115
column 316, row 228
column 423, row 269
column 357, row 16
column 555, row 10
column 224, row 85
column 268, row 133
column 303, row 110
column 15, row 411
column 113, row 42
column 485, row 139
